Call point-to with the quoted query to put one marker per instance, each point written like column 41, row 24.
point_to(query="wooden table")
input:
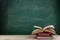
column 23, row 37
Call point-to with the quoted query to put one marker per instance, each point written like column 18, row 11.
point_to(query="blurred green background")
column 19, row 16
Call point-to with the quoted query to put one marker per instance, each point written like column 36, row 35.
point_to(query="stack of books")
column 44, row 36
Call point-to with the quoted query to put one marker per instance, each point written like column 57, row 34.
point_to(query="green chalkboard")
column 19, row 16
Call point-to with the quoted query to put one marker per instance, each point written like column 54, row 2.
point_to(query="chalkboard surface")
column 21, row 15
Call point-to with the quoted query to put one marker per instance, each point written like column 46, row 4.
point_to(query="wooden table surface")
column 23, row 37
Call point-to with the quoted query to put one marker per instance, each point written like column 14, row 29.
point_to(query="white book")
column 44, row 38
column 49, row 28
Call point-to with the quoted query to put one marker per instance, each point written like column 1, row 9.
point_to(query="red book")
column 44, row 34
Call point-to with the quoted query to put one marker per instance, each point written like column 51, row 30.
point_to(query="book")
column 44, row 38
column 46, row 31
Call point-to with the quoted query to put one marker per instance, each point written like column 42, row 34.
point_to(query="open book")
column 49, row 28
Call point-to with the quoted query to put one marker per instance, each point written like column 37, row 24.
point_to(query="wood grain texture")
column 23, row 37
